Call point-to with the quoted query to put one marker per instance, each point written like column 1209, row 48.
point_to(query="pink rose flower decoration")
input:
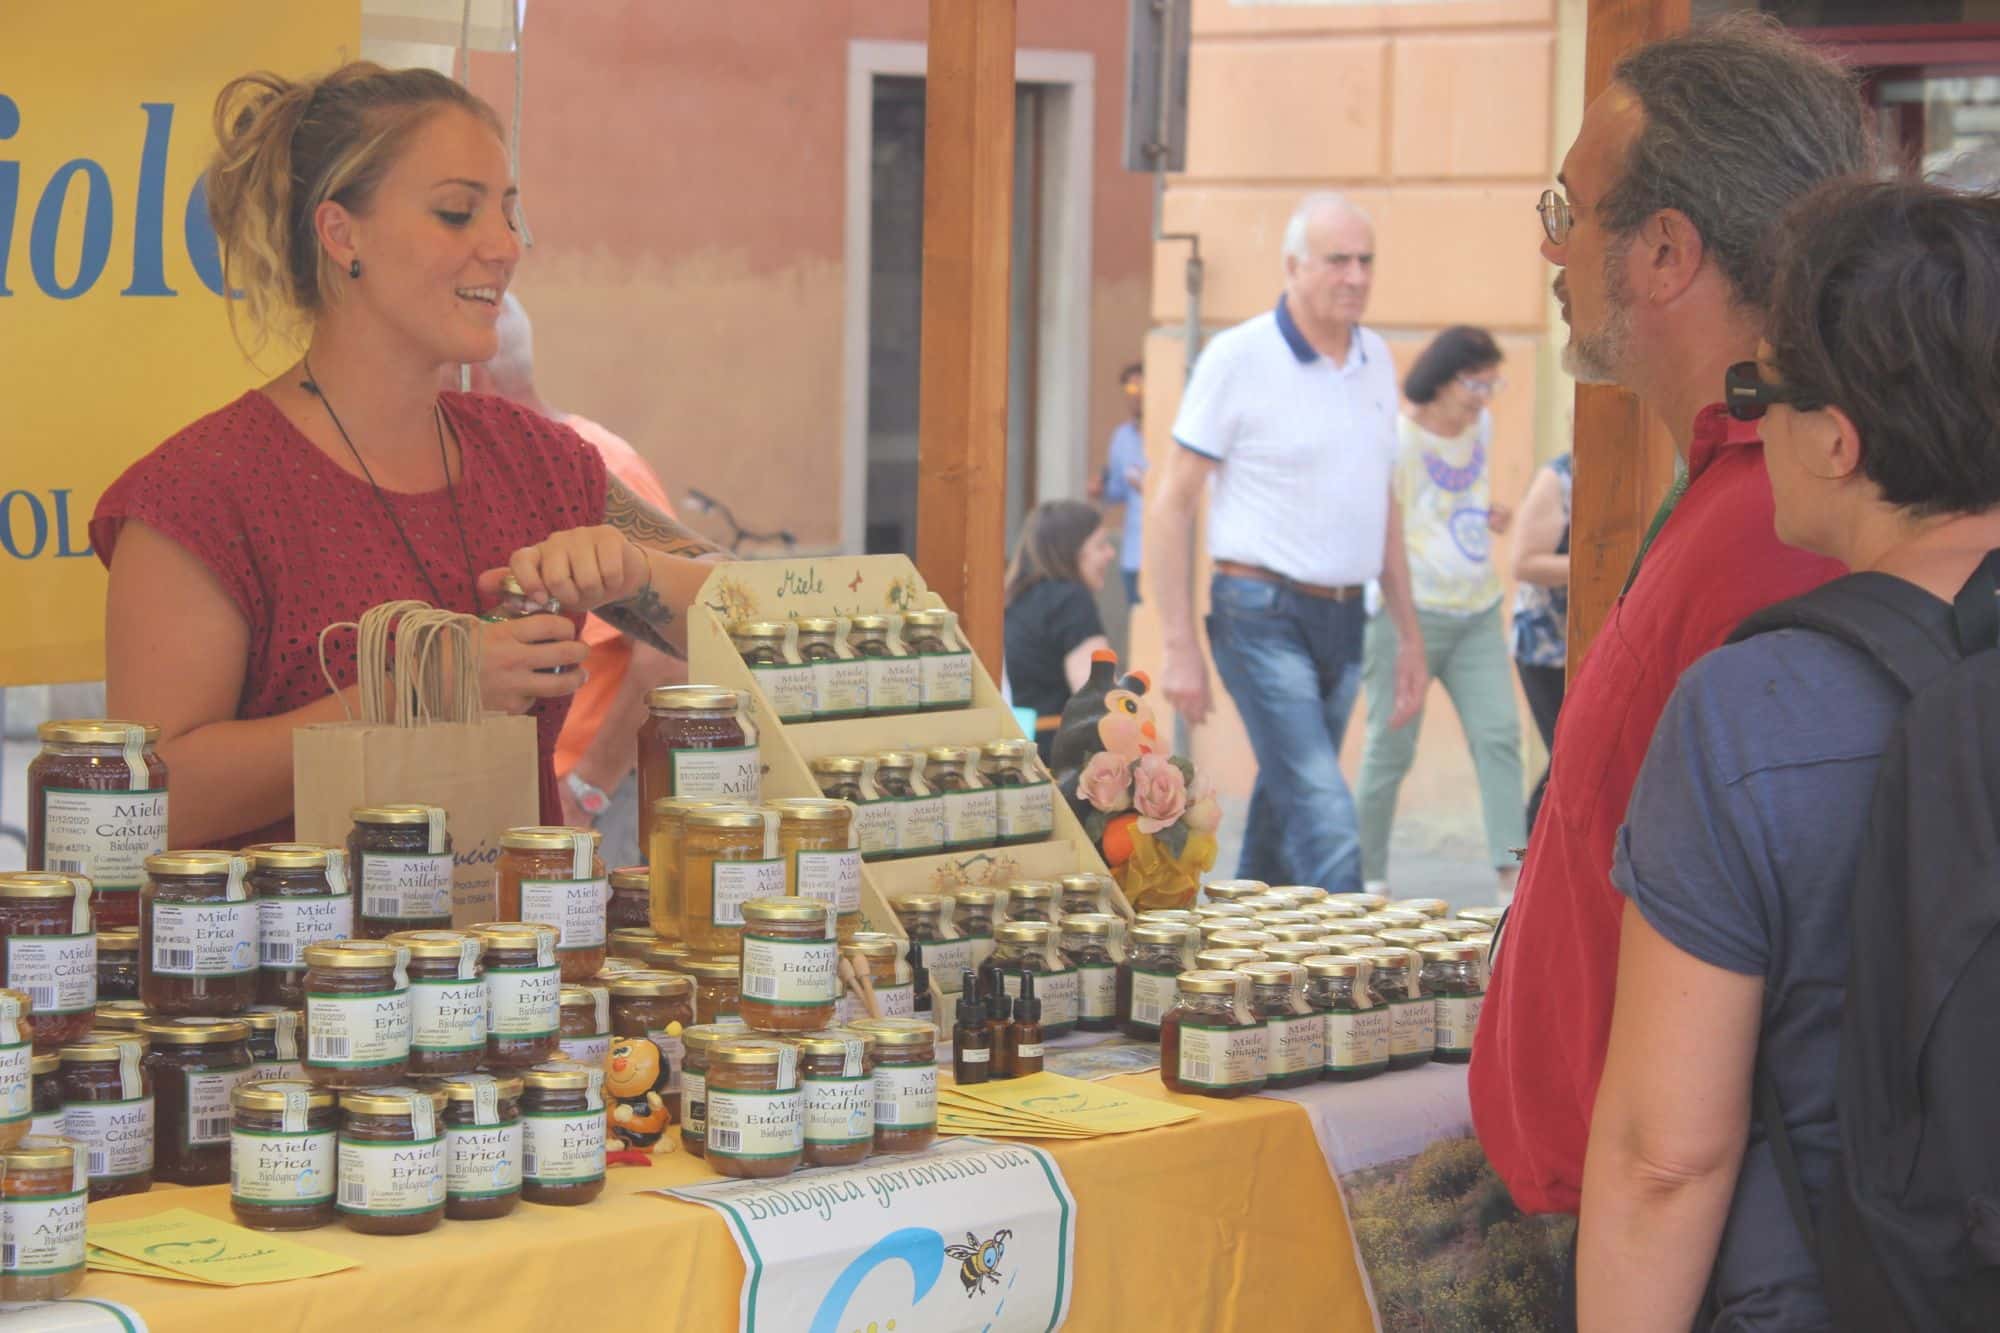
column 1159, row 793
column 1204, row 812
column 1106, row 782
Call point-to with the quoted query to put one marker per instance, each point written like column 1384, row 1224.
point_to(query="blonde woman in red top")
column 368, row 217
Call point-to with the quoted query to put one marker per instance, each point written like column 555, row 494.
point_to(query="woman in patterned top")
column 368, row 218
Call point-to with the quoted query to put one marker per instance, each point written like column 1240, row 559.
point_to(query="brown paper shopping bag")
column 421, row 737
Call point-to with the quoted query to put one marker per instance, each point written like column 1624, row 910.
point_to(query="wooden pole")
column 1624, row 454
column 962, row 404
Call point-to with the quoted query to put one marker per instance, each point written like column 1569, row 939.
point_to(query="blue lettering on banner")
column 24, row 525
column 83, row 183
column 919, row 1247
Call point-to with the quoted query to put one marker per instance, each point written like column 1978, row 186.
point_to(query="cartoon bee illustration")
column 981, row 1260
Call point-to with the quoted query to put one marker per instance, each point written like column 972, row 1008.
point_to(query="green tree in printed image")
column 1447, row 1251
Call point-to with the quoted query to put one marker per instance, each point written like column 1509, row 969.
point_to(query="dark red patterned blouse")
column 298, row 543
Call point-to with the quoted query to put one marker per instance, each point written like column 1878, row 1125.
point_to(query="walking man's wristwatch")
column 593, row 801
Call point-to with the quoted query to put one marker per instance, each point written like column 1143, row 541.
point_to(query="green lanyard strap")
column 1666, row 509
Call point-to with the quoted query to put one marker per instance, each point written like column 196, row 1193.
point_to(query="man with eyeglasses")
column 1291, row 415
column 1669, row 196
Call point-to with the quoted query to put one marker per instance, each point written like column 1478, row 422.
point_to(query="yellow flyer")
column 200, row 1248
column 1071, row 1102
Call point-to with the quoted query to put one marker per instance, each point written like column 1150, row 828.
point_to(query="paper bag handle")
column 434, row 676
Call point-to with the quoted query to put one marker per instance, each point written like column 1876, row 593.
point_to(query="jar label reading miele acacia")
column 1026, row 814
column 947, row 679
column 1357, row 1040
column 17, row 1084
column 1412, row 1026
column 449, row 1015
column 739, row 882
column 840, row 687
column 206, row 940
column 1153, row 993
column 483, row 1161
column 58, row 972
column 840, row 1112
column 755, row 1124
column 704, row 775
column 1097, row 990
column 357, row 1031
column 563, row 1147
column 1297, row 1044
column 833, row 878
column 208, row 1114
column 104, row 835
column 905, row 1096
column 1222, row 1057
column 391, row 1179
column 574, row 906
column 1457, row 1019
column 117, row 1137
column 42, row 1237
column 790, row 972
column 523, row 1002
column 406, row 886
column 285, row 926
column 281, row 1168
column 970, row 817
column 895, row 684
column 790, row 690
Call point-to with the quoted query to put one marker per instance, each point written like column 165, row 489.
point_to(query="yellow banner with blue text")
column 113, row 331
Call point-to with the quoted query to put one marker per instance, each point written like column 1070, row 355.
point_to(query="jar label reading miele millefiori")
column 734, row 774
column 105, row 836
column 406, row 886
column 574, row 906
column 1222, row 1058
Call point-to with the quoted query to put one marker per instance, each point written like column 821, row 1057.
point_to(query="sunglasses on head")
column 1747, row 393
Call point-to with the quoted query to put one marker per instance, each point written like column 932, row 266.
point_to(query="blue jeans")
column 1131, row 586
column 1292, row 666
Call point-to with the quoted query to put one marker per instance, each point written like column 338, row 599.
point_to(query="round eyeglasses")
column 1558, row 216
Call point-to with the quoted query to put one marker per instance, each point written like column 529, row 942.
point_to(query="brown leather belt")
column 1345, row 593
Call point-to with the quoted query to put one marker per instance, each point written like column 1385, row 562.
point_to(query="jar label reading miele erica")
column 1298, row 1044
column 947, row 679
column 58, row 972
column 1097, row 990
column 1026, row 814
column 574, row 906
column 281, row 1168
column 218, row 940
column 840, row 1112
column 357, row 1031
column 563, row 1147
column 391, row 1179
column 449, row 1015
column 840, row 687
column 905, row 1096
column 208, row 1114
column 791, row 972
column 755, row 1124
column 285, row 926
column 833, row 878
column 1457, row 1019
column 738, row 882
column 104, row 835
column 1222, row 1057
column 1153, row 993
column 483, row 1161
column 523, row 1002
column 406, row 886
column 117, row 1137
column 1357, row 1040
column 895, row 684
column 971, row 818
column 42, row 1237
column 1412, row 1026
column 705, row 775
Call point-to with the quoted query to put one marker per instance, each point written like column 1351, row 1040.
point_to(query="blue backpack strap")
column 1903, row 629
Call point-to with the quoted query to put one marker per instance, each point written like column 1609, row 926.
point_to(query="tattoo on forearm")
column 643, row 616
column 649, row 527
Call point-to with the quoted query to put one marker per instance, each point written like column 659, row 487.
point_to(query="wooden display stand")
column 855, row 585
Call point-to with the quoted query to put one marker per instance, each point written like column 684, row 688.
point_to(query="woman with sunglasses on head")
column 1442, row 480
column 1879, row 410
column 368, row 218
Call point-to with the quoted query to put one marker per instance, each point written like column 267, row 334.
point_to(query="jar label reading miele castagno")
column 104, row 835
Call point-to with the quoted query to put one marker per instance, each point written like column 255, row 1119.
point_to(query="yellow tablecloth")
column 1227, row 1221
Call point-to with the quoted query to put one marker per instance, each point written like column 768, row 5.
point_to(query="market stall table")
column 1210, row 1224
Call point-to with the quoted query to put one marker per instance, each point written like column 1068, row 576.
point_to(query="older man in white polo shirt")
column 1292, row 414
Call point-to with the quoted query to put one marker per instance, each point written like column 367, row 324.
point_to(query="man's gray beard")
column 1598, row 358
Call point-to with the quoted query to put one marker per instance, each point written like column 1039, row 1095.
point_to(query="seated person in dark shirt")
column 1052, row 621
column 1880, row 409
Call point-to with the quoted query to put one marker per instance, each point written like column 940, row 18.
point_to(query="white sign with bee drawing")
column 970, row 1234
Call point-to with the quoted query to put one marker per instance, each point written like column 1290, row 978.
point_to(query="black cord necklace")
column 311, row 386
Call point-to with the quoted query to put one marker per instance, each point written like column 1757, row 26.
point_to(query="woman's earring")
column 354, row 268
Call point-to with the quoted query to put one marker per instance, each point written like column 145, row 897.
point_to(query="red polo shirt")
column 1547, row 1018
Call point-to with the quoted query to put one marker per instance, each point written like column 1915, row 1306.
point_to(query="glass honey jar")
column 399, row 860
column 971, row 810
column 97, row 807
column 895, row 679
column 790, row 965
column 1024, row 795
column 822, row 857
column 48, row 952
column 303, row 899
column 840, row 680
column 1211, row 1043
column 666, row 825
column 554, row 876
column 729, row 856
column 786, row 681
column 697, row 744
column 943, row 661
column 197, row 935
